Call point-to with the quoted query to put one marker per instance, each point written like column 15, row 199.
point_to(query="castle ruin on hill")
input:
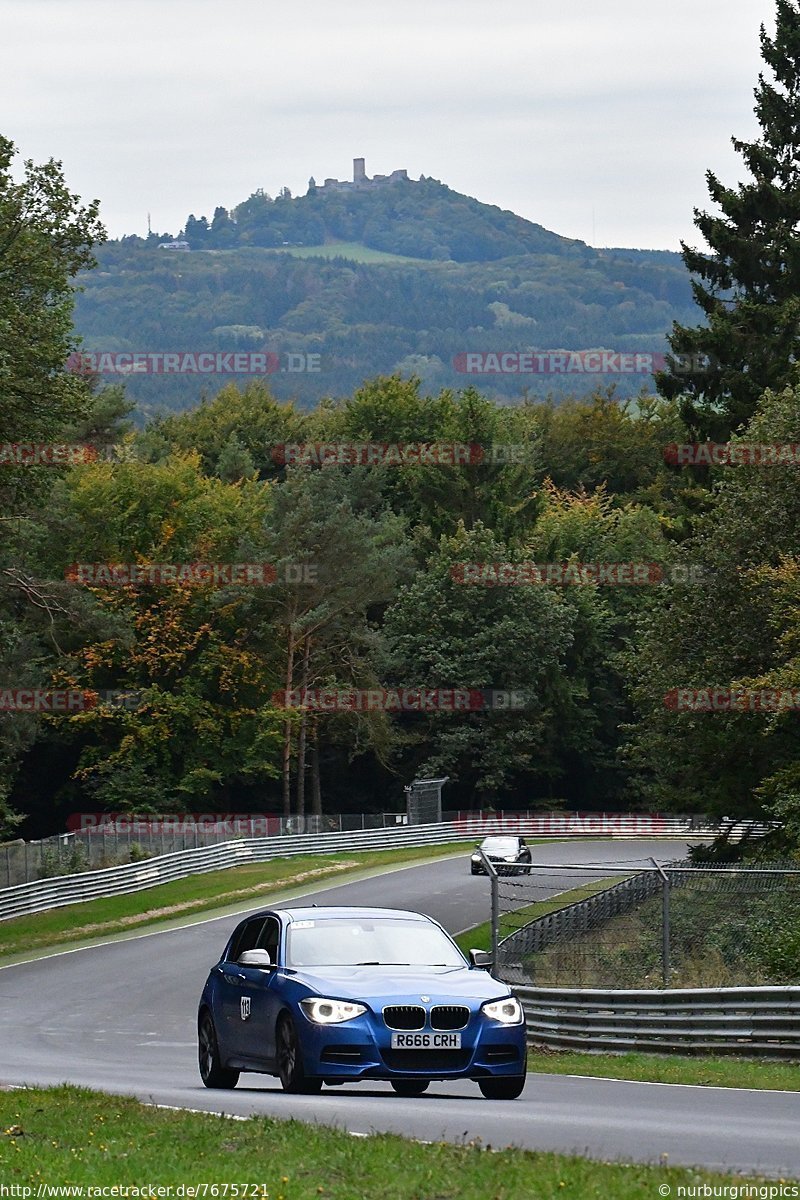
column 360, row 179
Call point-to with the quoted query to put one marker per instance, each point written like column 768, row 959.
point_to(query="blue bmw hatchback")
column 337, row 995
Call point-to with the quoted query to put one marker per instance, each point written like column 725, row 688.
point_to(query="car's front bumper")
column 361, row 1049
column 501, row 865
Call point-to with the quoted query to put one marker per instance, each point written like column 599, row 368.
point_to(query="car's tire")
column 475, row 871
column 212, row 1072
column 502, row 1087
column 410, row 1087
column 290, row 1059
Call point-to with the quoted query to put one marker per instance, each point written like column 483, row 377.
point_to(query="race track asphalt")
column 121, row 1017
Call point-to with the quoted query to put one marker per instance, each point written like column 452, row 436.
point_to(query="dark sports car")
column 337, row 995
column 510, row 855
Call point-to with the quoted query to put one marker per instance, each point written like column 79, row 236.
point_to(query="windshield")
column 498, row 845
column 383, row 942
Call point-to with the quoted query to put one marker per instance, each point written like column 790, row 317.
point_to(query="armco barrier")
column 133, row 877
column 739, row 1020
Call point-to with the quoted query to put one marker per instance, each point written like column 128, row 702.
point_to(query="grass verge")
column 480, row 937
column 195, row 894
column 71, row 1136
column 698, row 1070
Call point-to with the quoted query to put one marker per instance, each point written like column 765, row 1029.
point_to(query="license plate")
column 426, row 1041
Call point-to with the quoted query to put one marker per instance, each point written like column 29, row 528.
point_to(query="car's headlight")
column 507, row 1011
column 476, row 858
column 330, row 1012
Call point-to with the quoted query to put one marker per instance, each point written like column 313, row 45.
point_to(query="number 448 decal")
column 245, row 1002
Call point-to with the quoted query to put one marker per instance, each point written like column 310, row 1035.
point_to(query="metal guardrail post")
column 666, row 966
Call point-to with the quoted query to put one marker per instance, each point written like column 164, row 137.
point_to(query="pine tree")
column 748, row 287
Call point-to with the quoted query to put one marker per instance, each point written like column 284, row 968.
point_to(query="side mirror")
column 256, row 958
column 481, row 958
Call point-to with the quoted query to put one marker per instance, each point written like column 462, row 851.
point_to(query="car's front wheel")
column 410, row 1087
column 290, row 1060
column 212, row 1072
column 507, row 1087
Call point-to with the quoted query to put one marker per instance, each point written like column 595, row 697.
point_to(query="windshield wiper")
column 375, row 963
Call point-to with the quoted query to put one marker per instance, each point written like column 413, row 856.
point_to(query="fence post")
column 495, row 920
column 492, row 873
column 665, row 962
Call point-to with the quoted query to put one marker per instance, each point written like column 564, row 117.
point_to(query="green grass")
column 480, row 937
column 355, row 251
column 699, row 1070
column 73, row 1136
column 231, row 888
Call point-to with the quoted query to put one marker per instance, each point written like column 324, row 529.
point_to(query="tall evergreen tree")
column 749, row 285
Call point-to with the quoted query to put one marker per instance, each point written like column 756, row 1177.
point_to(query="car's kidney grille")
column 404, row 1016
column 449, row 1016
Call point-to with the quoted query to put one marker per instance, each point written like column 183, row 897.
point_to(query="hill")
column 407, row 277
column 424, row 219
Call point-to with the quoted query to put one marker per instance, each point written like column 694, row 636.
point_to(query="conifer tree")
column 748, row 286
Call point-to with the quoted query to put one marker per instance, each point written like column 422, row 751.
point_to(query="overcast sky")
column 596, row 119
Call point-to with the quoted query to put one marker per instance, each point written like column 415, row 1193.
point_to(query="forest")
column 598, row 594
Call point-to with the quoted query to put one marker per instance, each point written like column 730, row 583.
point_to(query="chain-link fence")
column 123, row 841
column 661, row 925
